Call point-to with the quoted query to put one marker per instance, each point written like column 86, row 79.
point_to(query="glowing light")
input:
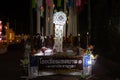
column 0, row 22
column 0, row 27
column 53, row 5
column 6, row 27
column 41, row 8
column 87, row 33
column 59, row 19
column 87, row 60
column 40, row 53
column 48, row 19
column 48, row 52
column 0, row 39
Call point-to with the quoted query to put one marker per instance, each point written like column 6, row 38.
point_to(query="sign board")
column 60, row 63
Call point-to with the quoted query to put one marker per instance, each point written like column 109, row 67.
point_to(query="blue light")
column 86, row 60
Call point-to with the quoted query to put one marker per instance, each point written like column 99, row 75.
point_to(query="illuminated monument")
column 59, row 19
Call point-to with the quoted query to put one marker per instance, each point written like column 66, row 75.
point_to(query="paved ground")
column 10, row 68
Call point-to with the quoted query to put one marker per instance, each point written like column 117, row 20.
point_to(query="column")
column 38, row 17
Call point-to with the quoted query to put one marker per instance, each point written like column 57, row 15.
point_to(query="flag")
column 78, row 2
column 34, row 3
column 40, row 3
column 42, row 11
column 80, row 5
column 48, row 2
column 66, row 1
column 70, row 2
column 58, row 3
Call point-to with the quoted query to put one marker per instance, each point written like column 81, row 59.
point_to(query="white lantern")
column 59, row 19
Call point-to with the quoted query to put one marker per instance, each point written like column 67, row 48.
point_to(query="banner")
column 70, row 3
column 78, row 2
column 34, row 3
column 58, row 63
column 48, row 2
column 58, row 3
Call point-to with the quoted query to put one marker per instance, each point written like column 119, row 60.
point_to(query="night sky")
column 16, row 12
column 106, row 27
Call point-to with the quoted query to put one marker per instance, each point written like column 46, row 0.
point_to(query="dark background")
column 105, row 23
column 106, row 27
column 17, row 13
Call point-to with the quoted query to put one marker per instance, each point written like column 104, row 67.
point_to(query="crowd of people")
column 38, row 41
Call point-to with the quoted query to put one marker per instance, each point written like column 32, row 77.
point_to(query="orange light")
column 0, row 22
column 0, row 27
column 6, row 27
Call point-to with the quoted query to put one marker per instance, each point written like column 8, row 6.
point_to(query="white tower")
column 59, row 19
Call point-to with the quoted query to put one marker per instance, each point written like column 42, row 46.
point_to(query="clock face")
column 59, row 18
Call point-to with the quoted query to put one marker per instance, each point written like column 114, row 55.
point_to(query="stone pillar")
column 38, row 19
